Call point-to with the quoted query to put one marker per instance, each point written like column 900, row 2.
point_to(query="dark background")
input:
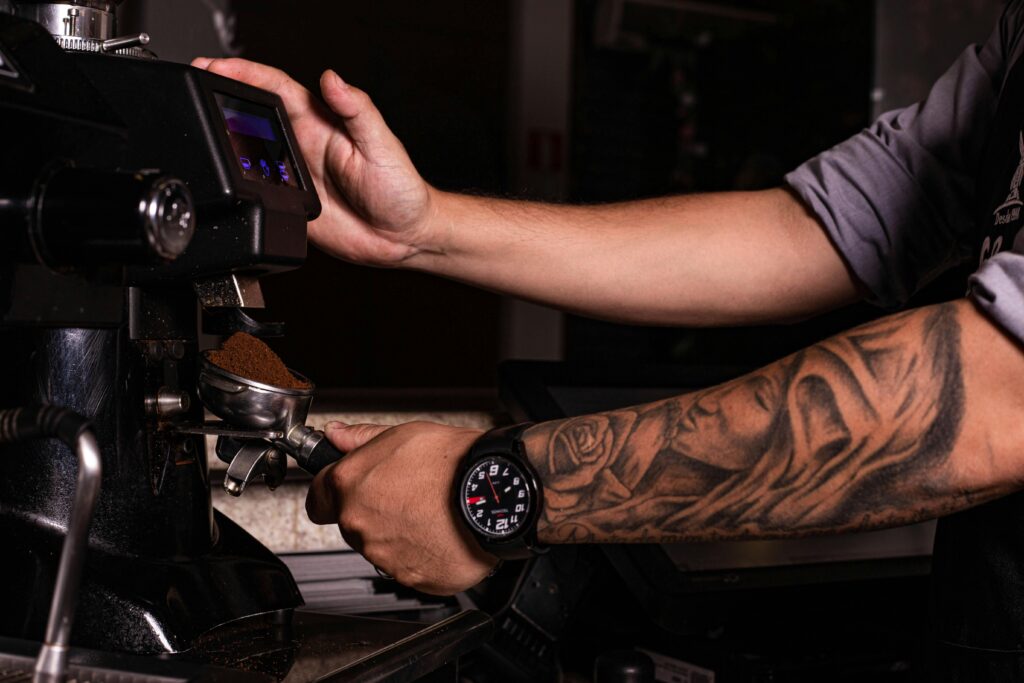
column 681, row 96
column 438, row 73
column 693, row 103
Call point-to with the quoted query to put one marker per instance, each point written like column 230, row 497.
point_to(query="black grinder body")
column 92, row 320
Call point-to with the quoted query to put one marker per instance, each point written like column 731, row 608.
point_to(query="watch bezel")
column 524, row 536
column 531, row 485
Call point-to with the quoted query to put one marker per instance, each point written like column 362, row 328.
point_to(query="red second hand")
column 496, row 499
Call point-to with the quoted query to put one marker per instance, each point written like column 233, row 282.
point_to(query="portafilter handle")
column 314, row 451
column 249, row 459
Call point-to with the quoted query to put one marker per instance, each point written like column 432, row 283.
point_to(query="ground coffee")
column 246, row 356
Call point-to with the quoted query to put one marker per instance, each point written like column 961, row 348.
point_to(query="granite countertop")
column 278, row 518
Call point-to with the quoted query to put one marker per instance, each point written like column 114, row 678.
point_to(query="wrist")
column 433, row 240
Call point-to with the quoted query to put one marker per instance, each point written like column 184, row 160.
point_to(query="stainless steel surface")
column 51, row 664
column 168, row 403
column 93, row 20
column 125, row 42
column 249, row 462
column 76, row 44
column 231, row 291
column 171, row 217
column 220, row 429
column 83, row 25
column 420, row 653
column 246, row 403
column 250, row 405
column 302, row 440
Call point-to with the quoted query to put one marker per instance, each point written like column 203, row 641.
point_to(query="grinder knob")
column 87, row 217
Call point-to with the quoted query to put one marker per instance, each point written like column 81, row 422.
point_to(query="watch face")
column 495, row 497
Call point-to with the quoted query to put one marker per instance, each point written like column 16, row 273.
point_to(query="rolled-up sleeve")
column 998, row 288
column 898, row 199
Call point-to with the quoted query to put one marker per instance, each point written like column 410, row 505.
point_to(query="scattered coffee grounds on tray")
column 246, row 356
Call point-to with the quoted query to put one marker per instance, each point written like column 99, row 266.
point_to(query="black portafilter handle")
column 321, row 455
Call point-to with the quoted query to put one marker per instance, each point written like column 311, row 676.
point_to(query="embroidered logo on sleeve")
column 1009, row 211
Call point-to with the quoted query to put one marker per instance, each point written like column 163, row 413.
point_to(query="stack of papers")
column 343, row 582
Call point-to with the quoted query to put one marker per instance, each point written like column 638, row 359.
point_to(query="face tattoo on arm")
column 849, row 434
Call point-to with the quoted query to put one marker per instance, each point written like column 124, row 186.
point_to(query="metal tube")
column 134, row 40
column 47, row 422
column 51, row 664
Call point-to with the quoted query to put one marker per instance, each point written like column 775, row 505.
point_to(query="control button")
column 283, row 168
column 246, row 163
column 266, row 168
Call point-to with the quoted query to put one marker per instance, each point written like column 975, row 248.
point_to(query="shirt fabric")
column 926, row 189
column 899, row 199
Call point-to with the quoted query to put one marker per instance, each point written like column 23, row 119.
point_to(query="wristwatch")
column 498, row 494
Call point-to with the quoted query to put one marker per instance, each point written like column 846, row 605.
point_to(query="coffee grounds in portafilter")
column 246, row 356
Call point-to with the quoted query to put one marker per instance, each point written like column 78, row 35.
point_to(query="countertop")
column 278, row 518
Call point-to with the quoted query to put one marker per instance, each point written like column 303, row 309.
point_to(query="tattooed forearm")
column 849, row 434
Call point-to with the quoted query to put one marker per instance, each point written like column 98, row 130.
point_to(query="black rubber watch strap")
column 503, row 440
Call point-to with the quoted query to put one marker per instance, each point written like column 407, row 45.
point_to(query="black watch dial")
column 495, row 497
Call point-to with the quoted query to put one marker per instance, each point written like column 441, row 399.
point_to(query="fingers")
column 258, row 75
column 324, row 498
column 350, row 437
column 323, row 502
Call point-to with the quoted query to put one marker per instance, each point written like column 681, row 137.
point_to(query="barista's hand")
column 391, row 497
column 376, row 208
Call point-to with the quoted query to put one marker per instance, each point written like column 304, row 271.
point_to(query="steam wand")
column 24, row 424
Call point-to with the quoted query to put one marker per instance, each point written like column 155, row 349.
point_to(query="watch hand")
column 496, row 499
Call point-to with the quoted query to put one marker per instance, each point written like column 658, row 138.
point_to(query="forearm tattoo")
column 848, row 434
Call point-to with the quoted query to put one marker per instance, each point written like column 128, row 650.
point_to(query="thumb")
column 363, row 122
column 350, row 437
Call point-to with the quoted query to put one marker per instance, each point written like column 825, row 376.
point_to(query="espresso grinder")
column 140, row 204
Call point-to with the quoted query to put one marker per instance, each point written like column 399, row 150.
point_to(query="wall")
column 181, row 29
column 917, row 40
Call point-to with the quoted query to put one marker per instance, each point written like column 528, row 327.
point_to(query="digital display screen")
column 260, row 150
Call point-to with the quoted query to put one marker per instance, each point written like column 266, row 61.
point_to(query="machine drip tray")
column 288, row 647
column 320, row 647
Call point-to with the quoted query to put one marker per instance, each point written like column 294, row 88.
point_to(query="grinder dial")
column 82, row 25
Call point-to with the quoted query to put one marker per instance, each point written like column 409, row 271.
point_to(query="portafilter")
column 275, row 416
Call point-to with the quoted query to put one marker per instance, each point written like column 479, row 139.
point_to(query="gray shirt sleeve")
column 998, row 289
column 897, row 199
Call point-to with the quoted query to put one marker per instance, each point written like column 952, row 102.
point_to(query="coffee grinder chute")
column 134, row 194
